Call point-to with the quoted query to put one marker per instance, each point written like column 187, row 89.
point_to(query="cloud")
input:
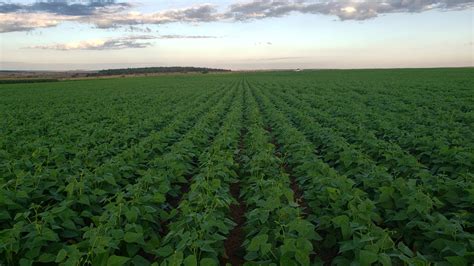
column 126, row 42
column 65, row 8
column 132, row 28
column 19, row 17
column 344, row 9
column 10, row 22
column 195, row 14
column 137, row 41
column 26, row 17
column 186, row 37
column 110, row 14
column 8, row 7
column 261, row 9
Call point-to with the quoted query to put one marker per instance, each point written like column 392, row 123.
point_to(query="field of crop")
column 360, row 167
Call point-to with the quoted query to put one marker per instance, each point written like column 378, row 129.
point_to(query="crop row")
column 310, row 168
column 90, row 207
column 388, row 209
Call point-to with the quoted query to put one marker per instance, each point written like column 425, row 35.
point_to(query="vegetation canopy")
column 354, row 167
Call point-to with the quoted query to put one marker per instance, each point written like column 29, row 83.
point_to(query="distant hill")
column 147, row 70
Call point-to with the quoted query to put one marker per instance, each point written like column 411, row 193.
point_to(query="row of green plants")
column 157, row 188
column 48, row 166
column 200, row 225
column 342, row 213
column 276, row 230
column 377, row 210
column 402, row 204
column 453, row 191
column 102, row 215
column 427, row 126
column 334, row 167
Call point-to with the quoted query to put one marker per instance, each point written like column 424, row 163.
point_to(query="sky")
column 237, row 35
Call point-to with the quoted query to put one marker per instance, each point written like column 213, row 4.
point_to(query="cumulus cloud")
column 65, row 8
column 25, row 17
column 10, row 22
column 109, row 14
column 17, row 17
column 344, row 9
column 200, row 13
column 137, row 41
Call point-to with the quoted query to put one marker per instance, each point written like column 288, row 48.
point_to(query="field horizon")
column 91, row 74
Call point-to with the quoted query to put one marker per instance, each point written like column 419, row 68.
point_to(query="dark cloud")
column 42, row 14
column 195, row 14
column 344, row 9
column 78, row 9
column 202, row 13
column 8, row 7
column 65, row 8
column 110, row 14
column 261, row 9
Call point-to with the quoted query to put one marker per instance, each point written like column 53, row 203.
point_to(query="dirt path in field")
column 233, row 244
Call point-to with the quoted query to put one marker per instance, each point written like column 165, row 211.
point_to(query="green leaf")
column 165, row 251
column 263, row 217
column 159, row 198
column 131, row 237
column 109, row 178
column 302, row 257
column 208, row 262
column 342, row 222
column 403, row 248
column 385, row 260
column 257, row 242
column 49, row 234
column 131, row 215
column 287, row 261
column 46, row 257
column 456, row 260
column 140, row 261
column 366, row 258
column 304, row 245
column 61, row 255
column 25, row 262
column 176, row 259
column 288, row 246
column 304, row 228
column 117, row 260
column 190, row 261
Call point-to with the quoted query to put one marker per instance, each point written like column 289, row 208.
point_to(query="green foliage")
column 361, row 167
